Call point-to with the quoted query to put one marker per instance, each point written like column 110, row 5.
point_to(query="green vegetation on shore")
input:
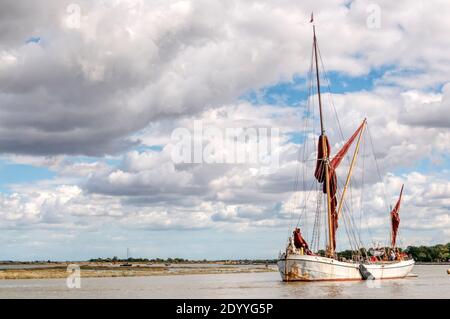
column 437, row 253
column 139, row 260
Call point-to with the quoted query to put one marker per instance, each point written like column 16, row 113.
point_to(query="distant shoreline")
column 186, row 262
column 163, row 263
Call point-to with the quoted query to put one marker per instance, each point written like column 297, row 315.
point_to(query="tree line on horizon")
column 436, row 253
column 137, row 260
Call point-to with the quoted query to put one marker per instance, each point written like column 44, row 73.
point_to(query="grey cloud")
column 21, row 20
column 85, row 91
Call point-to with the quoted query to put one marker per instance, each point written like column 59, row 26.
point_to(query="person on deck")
column 299, row 242
column 392, row 256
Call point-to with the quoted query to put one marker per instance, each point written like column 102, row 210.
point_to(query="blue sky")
column 293, row 92
column 11, row 173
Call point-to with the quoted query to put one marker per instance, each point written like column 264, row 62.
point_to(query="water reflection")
column 334, row 291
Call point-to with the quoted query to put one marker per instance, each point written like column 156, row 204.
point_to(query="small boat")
column 300, row 263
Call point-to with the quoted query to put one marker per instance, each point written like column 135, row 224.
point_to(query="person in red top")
column 299, row 242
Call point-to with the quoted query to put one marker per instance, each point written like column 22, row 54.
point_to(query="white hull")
column 316, row 268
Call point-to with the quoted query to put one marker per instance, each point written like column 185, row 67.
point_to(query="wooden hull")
column 316, row 268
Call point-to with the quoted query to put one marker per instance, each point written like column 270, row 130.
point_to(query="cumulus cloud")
column 148, row 191
column 431, row 111
column 84, row 91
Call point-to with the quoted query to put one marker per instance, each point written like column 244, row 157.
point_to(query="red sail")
column 320, row 172
column 320, row 176
column 340, row 155
column 320, row 166
column 395, row 218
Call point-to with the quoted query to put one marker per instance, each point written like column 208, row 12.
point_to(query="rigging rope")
column 381, row 181
column 295, row 197
column 378, row 168
column 351, row 182
column 352, row 228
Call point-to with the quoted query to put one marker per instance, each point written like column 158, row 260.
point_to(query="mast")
column 330, row 250
column 322, row 129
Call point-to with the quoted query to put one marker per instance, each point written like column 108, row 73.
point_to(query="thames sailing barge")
column 298, row 262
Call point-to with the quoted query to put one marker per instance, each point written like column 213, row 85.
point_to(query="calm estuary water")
column 433, row 282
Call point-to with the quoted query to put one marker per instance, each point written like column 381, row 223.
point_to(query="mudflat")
column 62, row 270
